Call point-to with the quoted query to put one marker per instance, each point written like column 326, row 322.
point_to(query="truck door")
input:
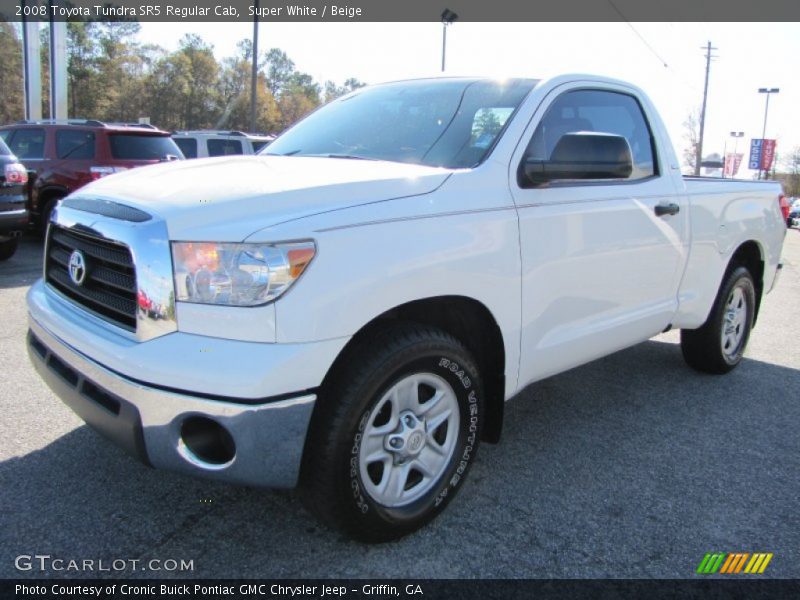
column 601, row 259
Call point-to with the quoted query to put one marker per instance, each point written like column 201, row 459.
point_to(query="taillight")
column 784, row 203
column 16, row 173
column 98, row 172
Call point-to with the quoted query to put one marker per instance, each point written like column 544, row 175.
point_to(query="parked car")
column 794, row 213
column 350, row 310
column 13, row 212
column 786, row 210
column 63, row 156
column 202, row 144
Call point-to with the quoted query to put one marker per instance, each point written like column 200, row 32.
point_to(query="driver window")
column 598, row 112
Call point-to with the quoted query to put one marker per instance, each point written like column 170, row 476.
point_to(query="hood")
column 227, row 199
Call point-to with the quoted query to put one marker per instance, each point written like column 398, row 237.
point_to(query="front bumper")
column 148, row 422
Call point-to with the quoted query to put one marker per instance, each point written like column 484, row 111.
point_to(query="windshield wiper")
column 349, row 156
column 292, row 153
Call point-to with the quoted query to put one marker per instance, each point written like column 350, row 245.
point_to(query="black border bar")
column 406, row 589
column 401, row 10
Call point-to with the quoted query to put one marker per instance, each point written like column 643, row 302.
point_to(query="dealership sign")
column 732, row 163
column 762, row 153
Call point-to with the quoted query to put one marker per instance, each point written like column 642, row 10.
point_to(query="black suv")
column 13, row 194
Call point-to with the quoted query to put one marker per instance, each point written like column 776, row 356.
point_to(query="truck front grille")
column 108, row 286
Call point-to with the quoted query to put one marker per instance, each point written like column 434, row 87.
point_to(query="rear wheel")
column 718, row 346
column 8, row 247
column 394, row 434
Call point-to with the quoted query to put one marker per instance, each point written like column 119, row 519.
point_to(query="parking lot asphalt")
column 632, row 466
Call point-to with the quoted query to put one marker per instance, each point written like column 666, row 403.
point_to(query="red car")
column 62, row 156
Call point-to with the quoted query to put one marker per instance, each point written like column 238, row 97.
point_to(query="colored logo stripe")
column 734, row 562
column 758, row 563
column 710, row 563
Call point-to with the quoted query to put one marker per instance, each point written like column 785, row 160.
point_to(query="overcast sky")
column 750, row 56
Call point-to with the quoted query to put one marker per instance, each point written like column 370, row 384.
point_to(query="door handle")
column 667, row 209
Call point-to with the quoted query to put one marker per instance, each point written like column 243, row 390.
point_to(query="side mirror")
column 583, row 156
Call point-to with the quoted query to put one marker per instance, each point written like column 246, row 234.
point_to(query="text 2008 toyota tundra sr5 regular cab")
column 349, row 311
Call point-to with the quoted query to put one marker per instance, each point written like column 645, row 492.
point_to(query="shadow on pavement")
column 25, row 266
column 631, row 466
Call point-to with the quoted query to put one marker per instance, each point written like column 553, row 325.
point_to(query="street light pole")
column 766, row 91
column 444, row 43
column 448, row 18
column 254, row 71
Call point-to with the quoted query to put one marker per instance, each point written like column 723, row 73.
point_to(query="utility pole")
column 254, row 74
column 699, row 156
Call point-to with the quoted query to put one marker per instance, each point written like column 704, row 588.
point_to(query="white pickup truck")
column 349, row 311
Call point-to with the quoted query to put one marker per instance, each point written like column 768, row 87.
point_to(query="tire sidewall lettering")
column 462, row 382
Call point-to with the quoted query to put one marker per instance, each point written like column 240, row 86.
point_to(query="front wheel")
column 394, row 434
column 718, row 346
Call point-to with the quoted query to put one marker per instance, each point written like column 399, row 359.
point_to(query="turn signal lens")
column 298, row 260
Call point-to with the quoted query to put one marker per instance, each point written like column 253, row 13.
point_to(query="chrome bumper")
column 146, row 421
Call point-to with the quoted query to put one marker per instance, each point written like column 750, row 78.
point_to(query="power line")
column 639, row 35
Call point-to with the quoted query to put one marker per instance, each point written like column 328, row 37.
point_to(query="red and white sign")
column 767, row 154
column 732, row 162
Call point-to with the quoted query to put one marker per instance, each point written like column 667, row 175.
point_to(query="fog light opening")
column 207, row 442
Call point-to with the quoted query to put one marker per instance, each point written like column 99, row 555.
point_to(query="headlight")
column 237, row 274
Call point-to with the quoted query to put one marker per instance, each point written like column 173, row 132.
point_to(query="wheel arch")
column 469, row 321
column 750, row 254
column 48, row 192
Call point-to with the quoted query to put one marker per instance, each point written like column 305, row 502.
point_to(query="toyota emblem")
column 77, row 267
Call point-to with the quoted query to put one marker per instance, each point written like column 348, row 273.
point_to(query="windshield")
column 450, row 123
column 127, row 146
column 4, row 151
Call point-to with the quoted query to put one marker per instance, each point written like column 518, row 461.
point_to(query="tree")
column 118, row 67
column 268, row 116
column 791, row 179
column 279, row 70
column 303, row 83
column 233, row 83
column 113, row 77
column 84, row 84
column 200, row 104
column 234, row 94
column 487, row 123
column 333, row 91
column 294, row 104
column 165, row 88
column 691, row 137
column 11, row 108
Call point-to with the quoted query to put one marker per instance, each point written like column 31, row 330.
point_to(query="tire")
column 718, row 346
column 8, row 248
column 44, row 217
column 371, row 432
